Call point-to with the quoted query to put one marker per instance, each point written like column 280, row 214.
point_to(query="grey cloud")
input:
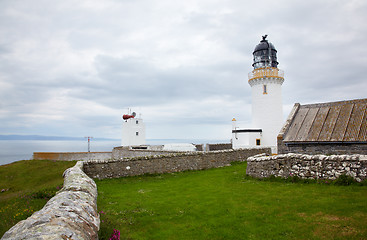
column 138, row 80
column 182, row 57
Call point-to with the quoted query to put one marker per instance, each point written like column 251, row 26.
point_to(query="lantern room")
column 265, row 55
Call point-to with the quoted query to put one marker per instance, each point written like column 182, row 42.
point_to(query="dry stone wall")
column 167, row 163
column 200, row 147
column 127, row 152
column 323, row 148
column 218, row 146
column 71, row 214
column 308, row 166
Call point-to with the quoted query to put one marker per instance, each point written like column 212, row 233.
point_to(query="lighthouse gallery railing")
column 266, row 72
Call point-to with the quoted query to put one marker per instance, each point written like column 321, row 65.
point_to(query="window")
column 137, row 133
column 258, row 142
column 137, row 121
column 265, row 90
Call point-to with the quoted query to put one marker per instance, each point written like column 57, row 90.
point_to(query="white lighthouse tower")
column 266, row 84
column 267, row 110
column 133, row 130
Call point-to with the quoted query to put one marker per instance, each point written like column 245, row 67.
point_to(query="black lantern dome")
column 265, row 55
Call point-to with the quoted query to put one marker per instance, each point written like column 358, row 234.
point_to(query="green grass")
column 26, row 187
column 225, row 204
column 212, row 204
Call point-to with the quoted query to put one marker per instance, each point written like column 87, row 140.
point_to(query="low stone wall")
column 120, row 153
column 323, row 148
column 308, row 166
column 71, row 156
column 167, row 163
column 71, row 214
column 218, row 146
column 127, row 152
column 199, row 147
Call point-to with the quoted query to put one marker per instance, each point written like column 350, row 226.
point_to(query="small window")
column 137, row 121
column 137, row 133
column 258, row 142
column 265, row 90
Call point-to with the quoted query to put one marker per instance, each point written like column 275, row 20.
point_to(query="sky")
column 73, row 68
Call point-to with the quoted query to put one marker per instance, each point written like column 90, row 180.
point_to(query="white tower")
column 267, row 110
column 266, row 83
column 133, row 130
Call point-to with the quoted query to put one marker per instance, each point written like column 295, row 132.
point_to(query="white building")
column 133, row 131
column 267, row 110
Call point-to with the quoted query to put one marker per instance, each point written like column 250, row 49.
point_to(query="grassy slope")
column 28, row 184
column 211, row 204
column 223, row 204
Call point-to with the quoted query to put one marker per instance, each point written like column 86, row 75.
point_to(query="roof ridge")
column 362, row 100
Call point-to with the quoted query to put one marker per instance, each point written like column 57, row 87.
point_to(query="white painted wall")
column 267, row 109
column 245, row 139
column 130, row 128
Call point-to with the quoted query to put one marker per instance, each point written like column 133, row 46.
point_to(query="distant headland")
column 50, row 138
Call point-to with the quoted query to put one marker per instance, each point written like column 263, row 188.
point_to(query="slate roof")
column 344, row 121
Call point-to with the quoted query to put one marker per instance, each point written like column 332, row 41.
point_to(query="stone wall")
column 308, row 166
column 71, row 156
column 167, row 163
column 218, row 146
column 128, row 152
column 199, row 147
column 281, row 147
column 71, row 214
column 322, row 148
column 120, row 153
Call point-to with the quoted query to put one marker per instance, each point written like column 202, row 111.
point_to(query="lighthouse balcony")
column 269, row 72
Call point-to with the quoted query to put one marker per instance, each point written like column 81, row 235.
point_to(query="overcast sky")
column 72, row 68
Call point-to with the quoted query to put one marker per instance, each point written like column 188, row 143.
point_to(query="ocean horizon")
column 17, row 150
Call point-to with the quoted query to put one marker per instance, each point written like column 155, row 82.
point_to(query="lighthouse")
column 267, row 110
column 133, row 130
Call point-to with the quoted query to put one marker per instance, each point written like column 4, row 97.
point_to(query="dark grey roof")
column 264, row 45
column 344, row 121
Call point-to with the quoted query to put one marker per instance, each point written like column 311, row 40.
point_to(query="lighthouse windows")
column 137, row 133
column 265, row 90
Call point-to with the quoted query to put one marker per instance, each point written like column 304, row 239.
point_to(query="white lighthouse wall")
column 267, row 109
column 133, row 132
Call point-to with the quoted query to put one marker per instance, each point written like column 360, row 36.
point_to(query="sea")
column 16, row 150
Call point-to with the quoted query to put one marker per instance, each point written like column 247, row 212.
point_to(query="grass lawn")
column 212, row 204
column 225, row 204
column 26, row 186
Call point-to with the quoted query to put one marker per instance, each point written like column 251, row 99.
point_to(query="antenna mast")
column 89, row 138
